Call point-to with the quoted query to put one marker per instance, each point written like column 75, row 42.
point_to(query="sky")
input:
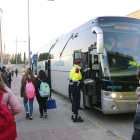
column 50, row 19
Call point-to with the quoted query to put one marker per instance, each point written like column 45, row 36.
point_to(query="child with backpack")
column 7, row 123
column 27, row 91
column 42, row 88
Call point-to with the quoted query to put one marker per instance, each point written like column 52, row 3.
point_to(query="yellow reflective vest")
column 109, row 47
column 132, row 63
column 75, row 73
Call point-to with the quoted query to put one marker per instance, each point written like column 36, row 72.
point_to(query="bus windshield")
column 121, row 48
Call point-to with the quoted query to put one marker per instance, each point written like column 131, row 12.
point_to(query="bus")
column 109, row 46
column 34, row 63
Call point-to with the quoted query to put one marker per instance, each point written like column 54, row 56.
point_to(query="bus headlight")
column 113, row 95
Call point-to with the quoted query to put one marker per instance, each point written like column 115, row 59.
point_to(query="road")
column 119, row 124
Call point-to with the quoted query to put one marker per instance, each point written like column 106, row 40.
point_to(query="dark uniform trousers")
column 75, row 90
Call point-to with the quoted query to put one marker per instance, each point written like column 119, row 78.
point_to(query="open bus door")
column 48, row 69
column 93, row 89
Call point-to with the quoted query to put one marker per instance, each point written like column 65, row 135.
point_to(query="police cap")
column 77, row 61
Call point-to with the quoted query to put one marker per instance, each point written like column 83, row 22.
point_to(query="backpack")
column 30, row 90
column 7, row 123
column 44, row 89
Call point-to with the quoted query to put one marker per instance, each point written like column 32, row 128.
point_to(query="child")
column 7, row 123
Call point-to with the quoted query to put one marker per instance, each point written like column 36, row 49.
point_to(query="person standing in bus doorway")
column 76, row 83
column 16, row 71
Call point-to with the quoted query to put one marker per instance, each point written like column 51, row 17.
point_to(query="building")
column 135, row 14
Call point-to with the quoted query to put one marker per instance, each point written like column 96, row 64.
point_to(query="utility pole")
column 16, row 49
column 1, row 39
column 29, row 36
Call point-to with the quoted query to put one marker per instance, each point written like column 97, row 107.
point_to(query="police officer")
column 76, row 83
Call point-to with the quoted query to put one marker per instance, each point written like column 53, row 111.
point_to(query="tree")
column 43, row 56
column 13, row 61
column 24, row 58
column 6, row 57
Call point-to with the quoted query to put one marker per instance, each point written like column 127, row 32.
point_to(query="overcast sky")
column 50, row 19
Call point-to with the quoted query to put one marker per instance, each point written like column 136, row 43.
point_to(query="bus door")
column 48, row 69
column 78, row 54
column 93, row 89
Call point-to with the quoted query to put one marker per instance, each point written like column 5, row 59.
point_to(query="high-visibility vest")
column 75, row 73
column 132, row 63
column 109, row 47
column 138, row 63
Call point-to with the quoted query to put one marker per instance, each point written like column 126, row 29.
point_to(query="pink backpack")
column 30, row 90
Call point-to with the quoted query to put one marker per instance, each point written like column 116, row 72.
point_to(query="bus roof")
column 93, row 18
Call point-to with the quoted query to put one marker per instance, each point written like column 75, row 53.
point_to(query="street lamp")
column 16, row 49
column 1, row 39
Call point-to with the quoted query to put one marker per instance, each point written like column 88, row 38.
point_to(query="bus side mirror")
column 100, row 44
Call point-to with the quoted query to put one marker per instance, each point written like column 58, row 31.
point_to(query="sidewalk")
column 58, row 125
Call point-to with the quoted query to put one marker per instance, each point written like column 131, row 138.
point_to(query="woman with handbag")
column 41, row 78
column 7, row 123
column 27, row 91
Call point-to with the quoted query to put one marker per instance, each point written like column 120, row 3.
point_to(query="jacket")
column 16, row 71
column 76, row 81
column 38, row 83
column 10, row 99
column 5, row 80
column 9, row 76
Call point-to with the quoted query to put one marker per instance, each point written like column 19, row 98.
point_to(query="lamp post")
column 1, row 39
column 16, row 49
column 29, row 35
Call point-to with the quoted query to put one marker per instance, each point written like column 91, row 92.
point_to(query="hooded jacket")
column 10, row 99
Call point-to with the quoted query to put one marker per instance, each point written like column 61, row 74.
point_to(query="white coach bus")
column 110, row 47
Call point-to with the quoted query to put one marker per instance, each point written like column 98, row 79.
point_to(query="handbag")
column 51, row 103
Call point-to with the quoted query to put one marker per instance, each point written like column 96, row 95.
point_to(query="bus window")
column 77, row 55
